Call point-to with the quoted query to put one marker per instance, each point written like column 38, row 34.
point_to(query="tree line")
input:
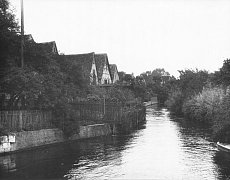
column 204, row 97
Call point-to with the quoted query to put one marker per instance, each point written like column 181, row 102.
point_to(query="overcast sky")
column 137, row 35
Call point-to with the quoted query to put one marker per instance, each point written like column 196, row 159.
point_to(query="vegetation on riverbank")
column 205, row 98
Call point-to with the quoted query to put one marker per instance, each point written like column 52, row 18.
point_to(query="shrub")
column 221, row 123
column 204, row 106
column 175, row 101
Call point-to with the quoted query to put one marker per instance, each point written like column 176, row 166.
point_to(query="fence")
column 25, row 120
column 85, row 113
column 97, row 112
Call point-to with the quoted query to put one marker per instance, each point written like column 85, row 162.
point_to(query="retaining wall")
column 30, row 139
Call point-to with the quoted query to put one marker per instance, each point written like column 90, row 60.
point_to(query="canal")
column 166, row 147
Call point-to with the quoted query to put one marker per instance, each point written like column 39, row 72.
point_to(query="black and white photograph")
column 114, row 89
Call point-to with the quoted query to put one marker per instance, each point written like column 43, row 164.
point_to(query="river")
column 166, row 147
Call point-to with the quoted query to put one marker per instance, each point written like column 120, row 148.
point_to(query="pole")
column 22, row 35
column 104, row 105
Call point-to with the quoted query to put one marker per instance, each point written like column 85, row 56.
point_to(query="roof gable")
column 84, row 61
column 48, row 47
column 101, row 60
column 113, row 69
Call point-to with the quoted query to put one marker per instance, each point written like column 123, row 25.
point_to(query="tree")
column 45, row 81
column 157, row 83
column 192, row 82
column 9, row 41
column 222, row 76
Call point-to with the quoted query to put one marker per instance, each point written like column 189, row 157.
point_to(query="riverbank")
column 19, row 141
column 161, row 149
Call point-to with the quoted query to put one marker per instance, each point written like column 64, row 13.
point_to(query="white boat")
column 223, row 147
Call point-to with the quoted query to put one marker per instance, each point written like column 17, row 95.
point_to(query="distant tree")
column 157, row 84
column 121, row 75
column 126, row 78
column 140, row 88
column 222, row 77
column 192, row 82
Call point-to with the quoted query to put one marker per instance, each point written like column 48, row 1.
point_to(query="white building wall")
column 115, row 77
column 91, row 73
column 106, row 76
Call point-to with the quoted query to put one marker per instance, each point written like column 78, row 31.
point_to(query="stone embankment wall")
column 29, row 139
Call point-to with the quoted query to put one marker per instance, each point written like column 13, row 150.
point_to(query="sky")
column 137, row 35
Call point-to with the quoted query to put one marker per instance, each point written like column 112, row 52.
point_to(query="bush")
column 221, row 123
column 114, row 92
column 66, row 118
column 204, row 106
column 175, row 101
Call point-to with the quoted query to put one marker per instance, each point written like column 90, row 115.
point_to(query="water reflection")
column 167, row 147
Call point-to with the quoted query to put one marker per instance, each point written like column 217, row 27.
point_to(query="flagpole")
column 22, row 35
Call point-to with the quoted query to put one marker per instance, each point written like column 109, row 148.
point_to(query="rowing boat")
column 223, row 147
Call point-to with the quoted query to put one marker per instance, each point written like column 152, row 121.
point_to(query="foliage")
column 140, row 89
column 123, row 77
column 157, row 83
column 192, row 82
column 222, row 76
column 45, row 81
column 8, row 32
column 20, row 83
column 204, row 106
column 175, row 101
column 189, row 84
column 114, row 93
column 196, row 95
column 65, row 117
column 221, row 122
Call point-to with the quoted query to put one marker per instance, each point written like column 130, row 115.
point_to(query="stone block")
column 4, row 139
column 6, row 145
column 12, row 138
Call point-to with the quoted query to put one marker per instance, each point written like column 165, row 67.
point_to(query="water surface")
column 165, row 147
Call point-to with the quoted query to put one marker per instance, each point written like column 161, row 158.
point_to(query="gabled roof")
column 28, row 38
column 84, row 61
column 100, row 60
column 113, row 69
column 48, row 47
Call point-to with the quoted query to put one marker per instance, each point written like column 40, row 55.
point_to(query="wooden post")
column 22, row 35
column 20, row 120
column 104, row 105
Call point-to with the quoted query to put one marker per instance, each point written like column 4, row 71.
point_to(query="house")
column 46, row 47
column 114, row 73
column 103, row 69
column 87, row 65
column 28, row 38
